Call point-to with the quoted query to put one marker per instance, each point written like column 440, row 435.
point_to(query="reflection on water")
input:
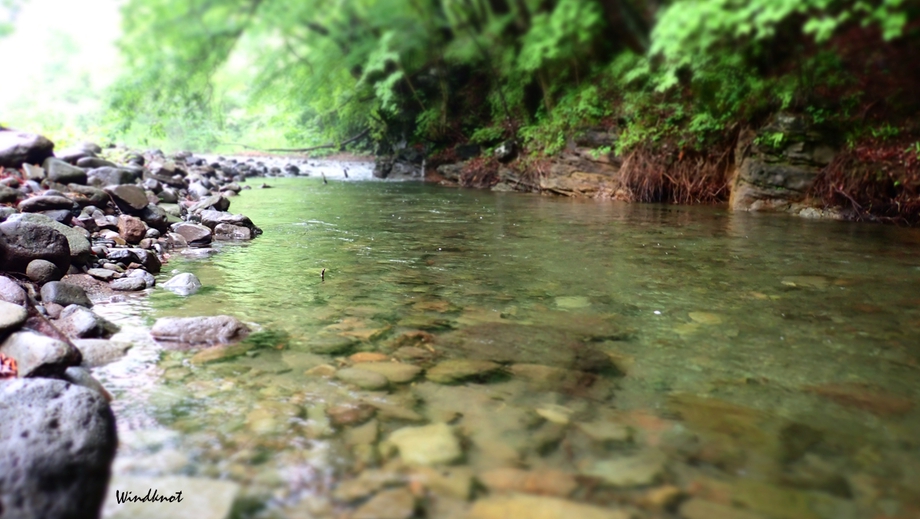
column 758, row 362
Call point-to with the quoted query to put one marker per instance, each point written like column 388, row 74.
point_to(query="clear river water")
column 546, row 356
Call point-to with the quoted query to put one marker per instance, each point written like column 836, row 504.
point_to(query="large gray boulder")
column 199, row 330
column 40, row 356
column 57, row 443
column 80, row 248
column 17, row 148
column 23, row 241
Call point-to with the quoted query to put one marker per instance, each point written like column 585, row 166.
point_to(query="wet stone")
column 128, row 284
column 534, row 507
column 39, row 356
column 362, row 378
column 196, row 235
column 644, row 468
column 395, row 372
column 79, row 322
column 183, row 284
column 350, row 414
column 64, row 294
column 426, row 445
column 199, row 330
column 102, row 274
column 545, row 482
column 99, row 352
column 395, row 503
column 456, row 370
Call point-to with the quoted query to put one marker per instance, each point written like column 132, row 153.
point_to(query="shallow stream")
column 645, row 357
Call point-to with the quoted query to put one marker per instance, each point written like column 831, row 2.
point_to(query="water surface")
column 763, row 362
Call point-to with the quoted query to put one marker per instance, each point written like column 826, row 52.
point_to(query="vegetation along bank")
column 807, row 107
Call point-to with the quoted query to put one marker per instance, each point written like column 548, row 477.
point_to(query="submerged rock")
column 533, row 507
column 362, row 378
column 57, row 443
column 394, row 503
column 183, row 284
column 427, row 445
column 456, row 370
column 199, row 330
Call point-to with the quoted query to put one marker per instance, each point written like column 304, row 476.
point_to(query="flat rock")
column 534, row 507
column 199, row 330
column 545, row 482
column 57, row 444
column 64, row 294
column 63, row 173
column 456, row 370
column 17, row 148
column 37, row 204
column 128, row 197
column 362, row 378
column 427, row 445
column 38, row 355
column 644, row 468
column 21, row 242
column 102, row 274
column 395, row 372
column 226, row 231
column 11, row 317
column 394, row 503
column 201, row 498
column 196, row 235
column 128, row 284
column 99, row 352
column 108, row 176
column 183, row 284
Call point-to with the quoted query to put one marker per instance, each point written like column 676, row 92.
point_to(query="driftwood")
column 312, row 148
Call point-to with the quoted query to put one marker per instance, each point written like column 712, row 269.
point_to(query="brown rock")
column 368, row 356
column 131, row 228
column 542, row 482
column 350, row 414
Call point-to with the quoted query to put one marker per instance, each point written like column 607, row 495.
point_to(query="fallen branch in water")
column 304, row 150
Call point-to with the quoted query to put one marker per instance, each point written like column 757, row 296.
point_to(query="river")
column 646, row 356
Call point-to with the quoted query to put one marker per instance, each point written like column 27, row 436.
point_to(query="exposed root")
column 653, row 175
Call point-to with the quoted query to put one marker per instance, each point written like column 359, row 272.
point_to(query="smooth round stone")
column 330, row 344
column 11, row 316
column 102, row 274
column 42, row 271
column 455, row 370
column 362, row 378
column 395, row 372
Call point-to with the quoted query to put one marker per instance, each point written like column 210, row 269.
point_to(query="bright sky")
column 56, row 40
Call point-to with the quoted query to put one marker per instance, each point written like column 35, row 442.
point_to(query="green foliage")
column 203, row 73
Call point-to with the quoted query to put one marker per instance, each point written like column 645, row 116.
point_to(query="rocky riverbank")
column 79, row 227
column 780, row 167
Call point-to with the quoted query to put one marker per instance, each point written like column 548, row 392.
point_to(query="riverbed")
column 636, row 357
